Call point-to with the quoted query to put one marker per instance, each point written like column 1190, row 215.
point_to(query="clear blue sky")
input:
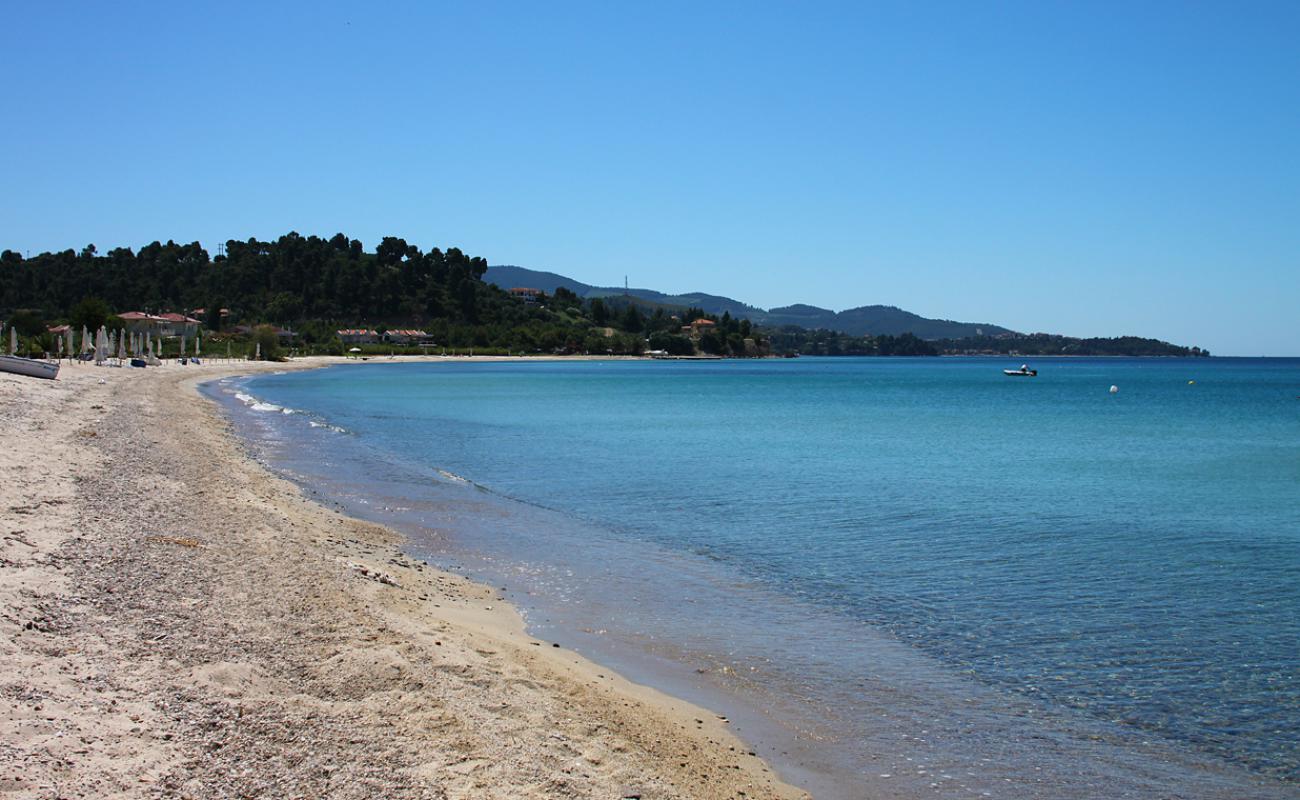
column 1087, row 168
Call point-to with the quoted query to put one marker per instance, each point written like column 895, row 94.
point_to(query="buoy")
column 1114, row 389
column 1191, row 383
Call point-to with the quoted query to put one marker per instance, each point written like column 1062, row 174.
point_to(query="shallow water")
column 917, row 569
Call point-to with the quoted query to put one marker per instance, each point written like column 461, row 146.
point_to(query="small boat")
column 138, row 362
column 28, row 366
column 1023, row 372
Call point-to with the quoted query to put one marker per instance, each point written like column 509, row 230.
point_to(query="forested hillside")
column 314, row 286
column 291, row 279
column 873, row 320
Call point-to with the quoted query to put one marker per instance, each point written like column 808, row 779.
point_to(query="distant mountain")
column 510, row 277
column 873, row 320
column 878, row 320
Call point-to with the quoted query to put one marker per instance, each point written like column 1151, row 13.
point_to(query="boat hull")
column 27, row 366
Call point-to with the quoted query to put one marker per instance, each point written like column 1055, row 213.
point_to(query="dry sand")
column 177, row 622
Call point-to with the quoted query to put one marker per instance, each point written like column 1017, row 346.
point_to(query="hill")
column 873, row 320
column 508, row 277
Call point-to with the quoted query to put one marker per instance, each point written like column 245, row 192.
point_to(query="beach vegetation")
column 90, row 313
column 265, row 344
column 28, row 323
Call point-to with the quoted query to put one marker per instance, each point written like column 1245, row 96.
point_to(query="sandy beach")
column 178, row 622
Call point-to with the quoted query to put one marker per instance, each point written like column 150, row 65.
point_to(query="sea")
column 896, row 578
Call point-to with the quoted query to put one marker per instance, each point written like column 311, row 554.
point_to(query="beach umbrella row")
column 105, row 344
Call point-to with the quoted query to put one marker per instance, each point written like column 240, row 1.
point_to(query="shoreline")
column 1120, row 757
column 180, row 620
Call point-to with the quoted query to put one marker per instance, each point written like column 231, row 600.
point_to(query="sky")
column 1089, row 168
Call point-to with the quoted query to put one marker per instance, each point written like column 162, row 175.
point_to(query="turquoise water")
column 888, row 562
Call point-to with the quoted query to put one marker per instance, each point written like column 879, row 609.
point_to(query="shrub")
column 264, row 338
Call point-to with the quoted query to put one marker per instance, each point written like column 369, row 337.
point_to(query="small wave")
column 319, row 424
column 261, row 405
column 451, row 476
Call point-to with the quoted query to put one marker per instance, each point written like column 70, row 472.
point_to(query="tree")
column 265, row 340
column 27, row 323
column 599, row 315
column 284, row 307
column 711, row 342
column 212, row 314
column 90, row 313
column 672, row 344
column 564, row 298
column 632, row 319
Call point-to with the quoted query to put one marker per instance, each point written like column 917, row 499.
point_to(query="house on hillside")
column 699, row 327
column 178, row 325
column 163, row 325
column 202, row 313
column 358, row 336
column 407, row 336
column 527, row 295
column 141, row 322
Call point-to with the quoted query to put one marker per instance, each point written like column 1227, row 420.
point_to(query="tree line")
column 315, row 286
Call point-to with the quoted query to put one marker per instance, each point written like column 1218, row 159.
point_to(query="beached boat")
column 1023, row 372
column 28, row 366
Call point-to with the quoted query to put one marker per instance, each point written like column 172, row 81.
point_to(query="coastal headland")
column 175, row 621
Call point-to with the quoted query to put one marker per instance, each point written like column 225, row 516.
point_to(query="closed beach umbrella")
column 196, row 346
column 181, row 352
column 68, row 344
column 13, row 340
